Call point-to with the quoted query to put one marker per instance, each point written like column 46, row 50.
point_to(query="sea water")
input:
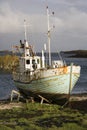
column 7, row 83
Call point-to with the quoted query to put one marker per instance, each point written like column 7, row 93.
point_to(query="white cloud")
column 69, row 20
column 72, row 21
column 11, row 21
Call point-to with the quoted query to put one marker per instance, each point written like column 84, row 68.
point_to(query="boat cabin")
column 29, row 63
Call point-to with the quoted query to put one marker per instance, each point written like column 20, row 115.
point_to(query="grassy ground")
column 34, row 116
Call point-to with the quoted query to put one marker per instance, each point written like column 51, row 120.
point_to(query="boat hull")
column 54, row 87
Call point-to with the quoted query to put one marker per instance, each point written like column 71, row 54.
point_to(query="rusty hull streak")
column 62, row 70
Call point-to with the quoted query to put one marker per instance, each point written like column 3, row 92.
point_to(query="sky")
column 70, row 21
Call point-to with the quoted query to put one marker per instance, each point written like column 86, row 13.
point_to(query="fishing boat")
column 35, row 77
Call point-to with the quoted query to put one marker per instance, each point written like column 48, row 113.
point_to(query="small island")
column 77, row 53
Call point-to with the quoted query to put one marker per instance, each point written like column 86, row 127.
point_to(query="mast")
column 48, row 33
column 25, row 34
column 26, row 46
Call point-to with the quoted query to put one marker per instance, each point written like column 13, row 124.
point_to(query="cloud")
column 72, row 21
column 9, row 20
column 12, row 21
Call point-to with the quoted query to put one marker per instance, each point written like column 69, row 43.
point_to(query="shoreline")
column 78, row 97
column 74, row 96
column 76, row 101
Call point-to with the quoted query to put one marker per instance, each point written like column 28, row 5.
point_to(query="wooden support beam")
column 15, row 92
column 32, row 100
column 43, row 99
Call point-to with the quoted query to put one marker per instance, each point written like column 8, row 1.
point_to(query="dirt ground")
column 78, row 102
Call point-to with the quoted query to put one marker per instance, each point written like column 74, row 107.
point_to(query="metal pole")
column 70, row 83
column 25, row 30
column 48, row 36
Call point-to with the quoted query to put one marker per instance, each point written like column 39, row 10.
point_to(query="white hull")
column 58, row 81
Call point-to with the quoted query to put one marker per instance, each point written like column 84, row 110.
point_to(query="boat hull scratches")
column 52, row 90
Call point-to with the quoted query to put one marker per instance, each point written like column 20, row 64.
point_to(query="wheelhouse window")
column 33, row 61
column 38, row 61
column 28, row 62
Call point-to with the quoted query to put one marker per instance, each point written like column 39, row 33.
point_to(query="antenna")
column 60, row 57
column 25, row 32
column 26, row 46
column 48, row 33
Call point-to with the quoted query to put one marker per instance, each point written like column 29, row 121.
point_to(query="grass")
column 34, row 116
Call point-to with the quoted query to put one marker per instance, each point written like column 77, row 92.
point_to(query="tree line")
column 8, row 62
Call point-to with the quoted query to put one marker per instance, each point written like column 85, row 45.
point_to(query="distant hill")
column 73, row 53
column 5, row 52
column 77, row 53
